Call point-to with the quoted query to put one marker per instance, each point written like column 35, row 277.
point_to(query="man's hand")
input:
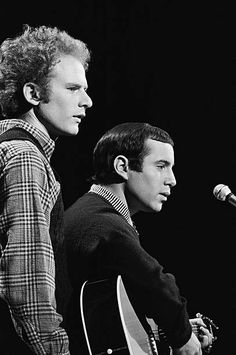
column 204, row 335
column 192, row 347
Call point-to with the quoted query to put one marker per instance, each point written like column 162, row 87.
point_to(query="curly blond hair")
column 30, row 57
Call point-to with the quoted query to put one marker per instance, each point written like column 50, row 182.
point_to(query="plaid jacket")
column 28, row 192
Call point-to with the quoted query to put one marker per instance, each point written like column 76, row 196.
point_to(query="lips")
column 164, row 198
column 80, row 115
column 165, row 195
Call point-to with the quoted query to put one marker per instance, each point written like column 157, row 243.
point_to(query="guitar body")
column 110, row 322
column 111, row 325
column 101, row 320
column 139, row 342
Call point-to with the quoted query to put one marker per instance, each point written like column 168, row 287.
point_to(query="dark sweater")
column 101, row 244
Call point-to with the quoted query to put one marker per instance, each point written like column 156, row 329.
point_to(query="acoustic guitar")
column 111, row 325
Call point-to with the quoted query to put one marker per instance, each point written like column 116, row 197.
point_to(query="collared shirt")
column 114, row 200
column 28, row 192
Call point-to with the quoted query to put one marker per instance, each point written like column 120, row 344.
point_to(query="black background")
column 167, row 63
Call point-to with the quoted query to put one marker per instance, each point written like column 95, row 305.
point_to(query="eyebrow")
column 78, row 85
column 166, row 162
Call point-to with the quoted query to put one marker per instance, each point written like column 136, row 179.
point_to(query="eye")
column 73, row 88
column 77, row 88
column 161, row 167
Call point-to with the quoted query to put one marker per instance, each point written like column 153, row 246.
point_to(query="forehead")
column 69, row 69
column 159, row 151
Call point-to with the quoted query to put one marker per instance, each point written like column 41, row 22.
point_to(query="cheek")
column 59, row 109
column 145, row 192
column 59, row 100
column 52, row 113
column 58, row 105
column 151, row 182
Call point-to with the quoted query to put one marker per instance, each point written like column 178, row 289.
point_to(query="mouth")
column 165, row 195
column 79, row 117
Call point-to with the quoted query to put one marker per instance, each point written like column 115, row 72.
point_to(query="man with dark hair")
column 42, row 96
column 133, row 171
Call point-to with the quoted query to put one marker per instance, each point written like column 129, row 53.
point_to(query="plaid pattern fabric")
column 28, row 192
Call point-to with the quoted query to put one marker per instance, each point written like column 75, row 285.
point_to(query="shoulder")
column 91, row 204
column 22, row 161
column 92, row 211
column 15, row 147
column 18, row 150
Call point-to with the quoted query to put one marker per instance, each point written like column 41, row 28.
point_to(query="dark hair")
column 30, row 57
column 126, row 139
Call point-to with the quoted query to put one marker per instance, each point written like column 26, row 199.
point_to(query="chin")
column 71, row 132
column 155, row 208
column 158, row 207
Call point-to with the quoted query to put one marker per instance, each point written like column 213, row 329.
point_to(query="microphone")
column 223, row 193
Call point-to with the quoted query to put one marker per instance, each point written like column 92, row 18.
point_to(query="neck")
column 31, row 118
column 118, row 190
column 122, row 192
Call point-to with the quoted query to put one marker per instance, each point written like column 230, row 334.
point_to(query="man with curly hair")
column 42, row 96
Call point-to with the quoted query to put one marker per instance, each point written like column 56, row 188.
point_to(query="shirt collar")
column 46, row 142
column 114, row 200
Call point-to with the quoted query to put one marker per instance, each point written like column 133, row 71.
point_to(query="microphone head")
column 221, row 191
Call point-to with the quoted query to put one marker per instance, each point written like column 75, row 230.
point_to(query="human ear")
column 31, row 93
column 121, row 166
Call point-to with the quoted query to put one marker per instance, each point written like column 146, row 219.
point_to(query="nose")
column 86, row 101
column 171, row 181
